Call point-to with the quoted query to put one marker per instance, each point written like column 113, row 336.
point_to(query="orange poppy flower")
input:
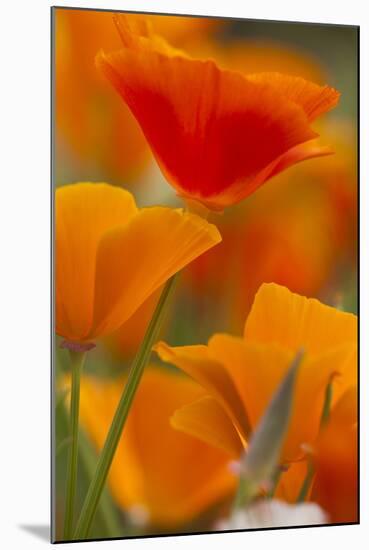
column 85, row 110
column 336, row 462
column 242, row 374
column 228, row 133
column 111, row 256
column 156, row 470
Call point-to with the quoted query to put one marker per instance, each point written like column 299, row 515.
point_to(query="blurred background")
column 298, row 230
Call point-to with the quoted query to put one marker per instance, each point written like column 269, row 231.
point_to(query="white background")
column 25, row 276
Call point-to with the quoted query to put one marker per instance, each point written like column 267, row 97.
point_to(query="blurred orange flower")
column 338, row 178
column 275, row 238
column 156, row 472
column 87, row 109
column 255, row 56
column 298, row 231
column 229, row 133
column 242, row 374
column 111, row 256
column 336, row 462
column 84, row 108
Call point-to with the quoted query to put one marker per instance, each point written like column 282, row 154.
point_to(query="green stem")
column 306, row 483
column 274, row 482
column 323, row 420
column 240, row 494
column 243, row 495
column 109, row 516
column 107, row 454
column 76, row 359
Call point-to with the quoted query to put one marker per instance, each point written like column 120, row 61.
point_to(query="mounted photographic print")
column 205, row 206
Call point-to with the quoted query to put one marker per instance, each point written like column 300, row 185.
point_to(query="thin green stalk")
column 306, row 483
column 323, row 420
column 241, row 498
column 107, row 454
column 275, row 480
column 77, row 359
column 109, row 516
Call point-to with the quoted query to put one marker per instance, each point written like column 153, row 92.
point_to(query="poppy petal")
column 294, row 321
column 254, row 369
column 137, row 34
column 196, row 362
column 83, row 213
column 310, row 393
column 223, row 131
column 297, row 154
column 336, row 462
column 257, row 371
column 345, row 411
column 346, row 372
column 150, row 469
column 291, row 481
column 134, row 260
column 314, row 99
column 207, row 420
column 238, row 191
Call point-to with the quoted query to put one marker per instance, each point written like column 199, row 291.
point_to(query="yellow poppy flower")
column 164, row 474
column 111, row 256
column 242, row 374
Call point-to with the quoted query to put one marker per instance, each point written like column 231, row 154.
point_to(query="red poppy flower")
column 216, row 134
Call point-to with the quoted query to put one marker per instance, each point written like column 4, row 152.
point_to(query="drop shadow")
column 40, row 531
